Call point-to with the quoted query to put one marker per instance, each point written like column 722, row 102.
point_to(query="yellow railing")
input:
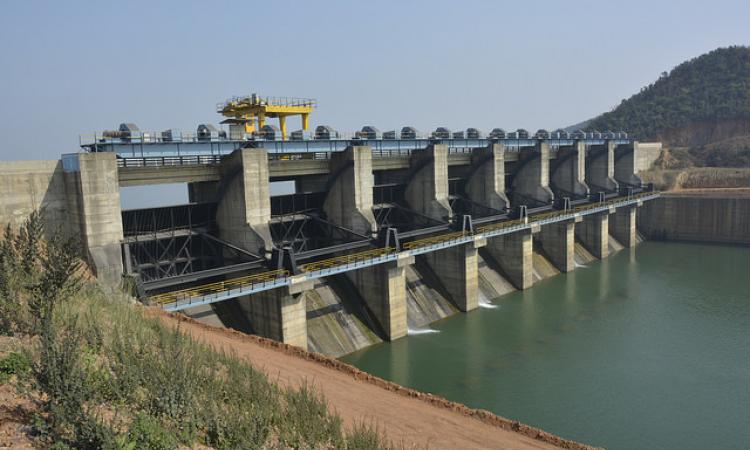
column 219, row 286
column 342, row 260
column 432, row 240
column 346, row 259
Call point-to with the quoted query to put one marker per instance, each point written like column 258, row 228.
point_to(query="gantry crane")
column 252, row 111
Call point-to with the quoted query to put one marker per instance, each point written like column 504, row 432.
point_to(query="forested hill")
column 703, row 100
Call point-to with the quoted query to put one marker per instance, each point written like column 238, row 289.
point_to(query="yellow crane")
column 252, row 111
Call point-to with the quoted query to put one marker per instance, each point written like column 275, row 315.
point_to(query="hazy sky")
column 73, row 67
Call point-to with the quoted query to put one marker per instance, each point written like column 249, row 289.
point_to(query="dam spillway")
column 468, row 220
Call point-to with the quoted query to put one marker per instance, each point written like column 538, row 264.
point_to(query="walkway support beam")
column 279, row 314
column 457, row 269
column 623, row 225
column 593, row 232
column 514, row 254
column 383, row 289
column 558, row 242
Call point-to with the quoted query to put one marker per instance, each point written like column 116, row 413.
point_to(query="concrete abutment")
column 350, row 197
column 531, row 180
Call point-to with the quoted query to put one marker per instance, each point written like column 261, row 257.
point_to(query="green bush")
column 115, row 378
column 14, row 364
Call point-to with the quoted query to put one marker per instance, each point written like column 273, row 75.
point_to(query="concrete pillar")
column 244, row 208
column 349, row 200
column 486, row 182
column 600, row 167
column 514, row 254
column 457, row 268
column 626, row 164
column 96, row 189
column 427, row 188
column 568, row 172
column 279, row 314
column 622, row 226
column 593, row 232
column 558, row 241
column 531, row 180
column 203, row 191
column 383, row 289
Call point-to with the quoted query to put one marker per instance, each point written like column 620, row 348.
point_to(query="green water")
column 647, row 349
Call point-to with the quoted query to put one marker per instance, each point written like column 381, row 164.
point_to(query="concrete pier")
column 600, row 167
column 486, row 180
column 558, row 243
column 383, row 289
column 349, row 200
column 623, row 225
column 513, row 253
column 427, row 188
column 95, row 196
column 593, row 232
column 627, row 165
column 457, row 269
column 244, row 201
column 568, row 172
column 279, row 314
column 531, row 180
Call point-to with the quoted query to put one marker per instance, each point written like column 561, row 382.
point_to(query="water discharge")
column 645, row 349
column 418, row 331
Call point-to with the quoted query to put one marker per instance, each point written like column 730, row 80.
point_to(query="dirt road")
column 409, row 418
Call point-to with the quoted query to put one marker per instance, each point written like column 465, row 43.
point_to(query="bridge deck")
column 228, row 289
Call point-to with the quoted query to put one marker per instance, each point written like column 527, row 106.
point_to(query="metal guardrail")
column 184, row 296
column 179, row 300
column 168, row 161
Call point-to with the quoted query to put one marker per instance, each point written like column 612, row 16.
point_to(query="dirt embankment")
column 409, row 418
column 698, row 178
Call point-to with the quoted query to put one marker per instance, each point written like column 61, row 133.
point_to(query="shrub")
column 14, row 364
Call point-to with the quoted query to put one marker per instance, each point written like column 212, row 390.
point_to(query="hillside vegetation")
column 104, row 375
column 702, row 106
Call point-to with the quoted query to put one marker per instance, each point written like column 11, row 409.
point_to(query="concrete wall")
column 648, row 153
column 719, row 217
column 26, row 186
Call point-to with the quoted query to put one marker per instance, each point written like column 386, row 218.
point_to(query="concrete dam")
column 381, row 236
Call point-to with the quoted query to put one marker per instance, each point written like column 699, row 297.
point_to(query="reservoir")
column 649, row 348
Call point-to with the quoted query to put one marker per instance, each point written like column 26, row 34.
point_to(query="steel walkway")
column 252, row 284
